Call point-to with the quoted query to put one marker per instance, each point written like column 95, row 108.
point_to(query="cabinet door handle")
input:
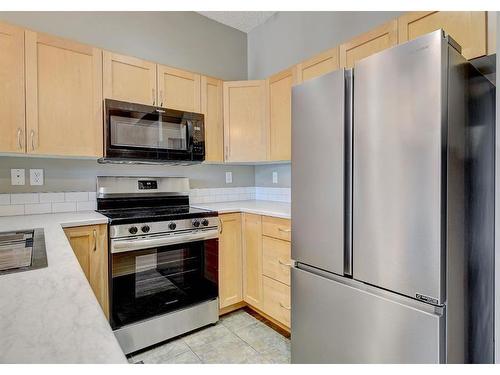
column 153, row 94
column 32, row 135
column 161, row 98
column 19, row 131
column 95, row 240
column 286, row 230
column 221, row 226
column 284, row 264
column 227, row 152
column 286, row 308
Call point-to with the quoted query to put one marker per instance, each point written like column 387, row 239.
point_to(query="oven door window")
column 154, row 281
column 151, row 131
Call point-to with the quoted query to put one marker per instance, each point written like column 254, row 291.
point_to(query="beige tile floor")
column 237, row 338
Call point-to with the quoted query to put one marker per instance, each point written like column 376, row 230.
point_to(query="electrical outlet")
column 229, row 177
column 36, row 176
column 275, row 177
column 17, row 176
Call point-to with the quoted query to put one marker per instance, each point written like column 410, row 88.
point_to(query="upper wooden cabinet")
column 129, row 79
column 178, row 89
column 280, row 113
column 364, row 45
column 467, row 28
column 230, row 260
column 12, row 121
column 318, row 65
column 211, row 107
column 89, row 243
column 252, row 260
column 63, row 97
column 245, row 121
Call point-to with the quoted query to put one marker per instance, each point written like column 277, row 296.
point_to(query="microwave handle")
column 190, row 132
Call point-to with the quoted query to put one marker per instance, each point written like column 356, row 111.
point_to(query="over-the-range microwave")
column 137, row 133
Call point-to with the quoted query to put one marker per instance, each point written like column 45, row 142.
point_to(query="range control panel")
column 147, row 184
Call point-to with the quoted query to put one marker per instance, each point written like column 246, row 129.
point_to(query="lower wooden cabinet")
column 276, row 259
column 252, row 259
column 230, row 260
column 90, row 245
column 276, row 300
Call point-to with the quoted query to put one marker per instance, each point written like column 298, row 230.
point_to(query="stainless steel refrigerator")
column 392, row 221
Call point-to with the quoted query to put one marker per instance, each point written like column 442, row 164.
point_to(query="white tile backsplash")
column 51, row 197
column 37, row 203
column 80, row 196
column 4, row 198
column 24, row 198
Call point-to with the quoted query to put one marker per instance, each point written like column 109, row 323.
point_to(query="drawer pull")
column 286, row 308
column 286, row 230
column 284, row 264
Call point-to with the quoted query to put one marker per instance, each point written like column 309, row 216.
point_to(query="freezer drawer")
column 336, row 323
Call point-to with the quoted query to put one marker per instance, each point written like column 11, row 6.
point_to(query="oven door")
column 157, row 279
column 145, row 133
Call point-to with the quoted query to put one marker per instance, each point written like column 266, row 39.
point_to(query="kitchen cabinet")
column 90, row 245
column 178, row 89
column 277, row 300
column 211, row 107
column 280, row 113
column 277, row 260
column 252, row 260
column 230, row 260
column 12, row 111
column 277, row 228
column 364, row 45
column 63, row 97
column 316, row 66
column 129, row 79
column 469, row 29
column 246, row 125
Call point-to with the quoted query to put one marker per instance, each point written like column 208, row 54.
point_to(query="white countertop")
column 266, row 208
column 51, row 315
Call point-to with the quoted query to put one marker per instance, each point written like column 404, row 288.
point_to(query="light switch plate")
column 229, row 177
column 275, row 177
column 17, row 176
column 36, row 176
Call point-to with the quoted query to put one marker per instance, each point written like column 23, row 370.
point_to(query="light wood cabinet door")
column 469, row 29
column 246, row 126
column 277, row 300
column 211, row 107
column 178, row 89
column 129, row 79
column 280, row 113
column 376, row 40
column 276, row 259
column 277, row 227
column 12, row 99
column 63, row 97
column 230, row 260
column 318, row 65
column 89, row 243
column 252, row 260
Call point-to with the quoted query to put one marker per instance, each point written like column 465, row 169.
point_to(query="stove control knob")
column 204, row 222
column 132, row 230
column 145, row 228
column 172, row 226
column 196, row 223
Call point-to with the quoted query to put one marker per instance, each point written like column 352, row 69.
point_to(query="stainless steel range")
column 163, row 259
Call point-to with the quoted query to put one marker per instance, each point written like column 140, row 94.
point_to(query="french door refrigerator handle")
column 348, row 120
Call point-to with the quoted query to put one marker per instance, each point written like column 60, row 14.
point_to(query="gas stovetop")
column 150, row 214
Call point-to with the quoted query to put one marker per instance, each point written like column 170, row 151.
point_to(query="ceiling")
column 243, row 21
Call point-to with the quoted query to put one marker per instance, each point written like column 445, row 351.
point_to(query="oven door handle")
column 123, row 245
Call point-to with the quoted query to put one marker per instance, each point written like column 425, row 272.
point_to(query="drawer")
column 276, row 227
column 276, row 259
column 277, row 300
